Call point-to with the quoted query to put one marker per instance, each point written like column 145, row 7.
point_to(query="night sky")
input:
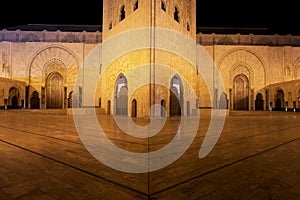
column 278, row 18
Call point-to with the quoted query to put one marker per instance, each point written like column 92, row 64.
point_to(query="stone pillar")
column 252, row 100
column 5, row 103
column 43, row 96
column 267, row 105
column 65, row 99
column 26, row 97
column 216, row 99
column 230, row 99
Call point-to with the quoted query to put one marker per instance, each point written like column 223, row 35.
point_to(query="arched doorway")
column 108, row 107
column 279, row 100
column 121, row 96
column 14, row 97
column 259, row 102
column 241, row 92
column 134, row 108
column 100, row 103
column 35, row 100
column 163, row 108
column 70, row 100
column 176, row 96
column 54, row 90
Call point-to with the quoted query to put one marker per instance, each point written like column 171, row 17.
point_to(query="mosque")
column 147, row 52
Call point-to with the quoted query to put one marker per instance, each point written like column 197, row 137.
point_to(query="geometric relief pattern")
column 241, row 68
column 42, row 58
column 246, row 61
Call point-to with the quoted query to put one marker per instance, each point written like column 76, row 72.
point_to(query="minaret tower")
column 124, row 15
column 134, row 33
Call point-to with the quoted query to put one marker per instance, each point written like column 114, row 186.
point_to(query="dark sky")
column 280, row 18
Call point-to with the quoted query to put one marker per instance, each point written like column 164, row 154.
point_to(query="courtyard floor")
column 257, row 156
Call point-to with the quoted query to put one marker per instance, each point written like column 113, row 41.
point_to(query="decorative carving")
column 255, row 54
column 70, row 38
column 30, row 37
column 265, row 41
column 226, row 41
column 242, row 68
column 63, row 52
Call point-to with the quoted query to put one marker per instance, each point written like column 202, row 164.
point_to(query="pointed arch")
column 122, row 13
column 259, row 102
column 279, row 99
column 38, row 62
column 54, row 91
column 121, row 95
column 242, row 68
column 176, row 14
column 134, row 108
column 13, row 98
column 136, row 5
column 241, row 89
column 247, row 50
column 176, row 96
column 35, row 100
column 163, row 5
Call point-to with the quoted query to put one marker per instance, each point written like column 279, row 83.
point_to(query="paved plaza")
column 256, row 157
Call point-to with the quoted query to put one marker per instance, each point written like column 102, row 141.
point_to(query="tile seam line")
column 76, row 168
column 56, row 138
column 223, row 166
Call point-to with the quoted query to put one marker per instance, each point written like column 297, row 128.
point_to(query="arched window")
column 176, row 96
column 122, row 13
column 163, row 6
column 176, row 14
column 134, row 108
column 100, row 102
column 136, row 5
column 188, row 28
column 121, row 96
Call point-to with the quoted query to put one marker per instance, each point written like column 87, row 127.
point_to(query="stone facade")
column 29, row 58
column 140, row 66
